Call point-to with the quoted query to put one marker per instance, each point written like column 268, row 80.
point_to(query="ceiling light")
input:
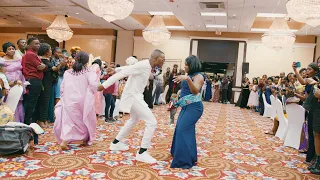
column 265, row 30
column 59, row 29
column 164, row 13
column 175, row 27
column 156, row 32
column 279, row 35
column 111, row 10
column 77, row 13
column 234, row 27
column 272, row 15
column 213, row 13
column 304, row 11
column 216, row 26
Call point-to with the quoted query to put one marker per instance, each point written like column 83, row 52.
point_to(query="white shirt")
column 18, row 54
column 5, row 81
column 139, row 74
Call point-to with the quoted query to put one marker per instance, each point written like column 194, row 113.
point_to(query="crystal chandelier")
column 111, row 10
column 156, row 32
column 59, row 29
column 279, row 35
column 306, row 11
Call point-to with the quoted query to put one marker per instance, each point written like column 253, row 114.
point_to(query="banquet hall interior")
column 260, row 88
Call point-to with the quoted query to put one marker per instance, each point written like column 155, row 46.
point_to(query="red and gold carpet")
column 231, row 145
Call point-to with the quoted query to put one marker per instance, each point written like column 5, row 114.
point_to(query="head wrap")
column 314, row 66
column 75, row 48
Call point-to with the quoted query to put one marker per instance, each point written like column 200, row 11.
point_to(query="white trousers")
column 139, row 111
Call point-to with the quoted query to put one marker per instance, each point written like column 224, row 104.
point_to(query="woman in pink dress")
column 75, row 112
column 14, row 75
column 96, row 67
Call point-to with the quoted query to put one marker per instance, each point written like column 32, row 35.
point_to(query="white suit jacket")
column 139, row 74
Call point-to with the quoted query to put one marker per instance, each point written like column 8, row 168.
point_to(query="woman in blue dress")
column 184, row 146
column 208, row 94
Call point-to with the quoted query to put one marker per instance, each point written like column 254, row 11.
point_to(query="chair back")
column 283, row 122
column 296, row 118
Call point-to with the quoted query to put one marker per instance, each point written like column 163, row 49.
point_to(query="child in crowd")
column 172, row 109
column 4, row 79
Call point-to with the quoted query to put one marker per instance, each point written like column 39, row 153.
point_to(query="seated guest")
column 75, row 112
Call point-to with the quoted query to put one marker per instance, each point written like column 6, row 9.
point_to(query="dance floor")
column 231, row 145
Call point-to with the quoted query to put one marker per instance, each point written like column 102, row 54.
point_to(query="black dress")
column 245, row 96
column 43, row 102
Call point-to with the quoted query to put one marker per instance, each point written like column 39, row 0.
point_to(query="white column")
column 238, row 78
column 194, row 50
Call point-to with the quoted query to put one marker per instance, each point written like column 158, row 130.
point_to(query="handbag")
column 14, row 139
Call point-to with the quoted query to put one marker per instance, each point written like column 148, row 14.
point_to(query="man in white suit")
column 132, row 101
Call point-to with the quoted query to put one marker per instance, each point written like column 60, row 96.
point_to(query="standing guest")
column 224, row 87
column 14, row 75
column 21, row 51
column 216, row 94
column 166, row 79
column 230, row 88
column 184, row 146
column 282, row 76
column 75, row 113
column 268, row 91
column 261, row 89
column 58, row 58
column 43, row 102
column 312, row 105
column 132, row 100
column 277, row 81
column 172, row 84
column 253, row 101
column 245, row 93
column 158, row 90
column 208, row 91
column 98, row 96
column 33, row 72
column 107, row 93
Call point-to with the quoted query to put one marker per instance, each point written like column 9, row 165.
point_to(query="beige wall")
column 11, row 37
column 125, row 43
column 98, row 45
column 176, row 50
column 263, row 60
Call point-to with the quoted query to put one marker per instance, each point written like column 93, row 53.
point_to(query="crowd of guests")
column 300, row 87
column 218, row 89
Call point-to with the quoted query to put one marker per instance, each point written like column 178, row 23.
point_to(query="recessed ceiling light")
column 175, row 27
column 275, row 15
column 213, row 13
column 216, row 26
column 265, row 30
column 77, row 13
column 233, row 27
column 234, row 15
column 198, row 25
column 164, row 13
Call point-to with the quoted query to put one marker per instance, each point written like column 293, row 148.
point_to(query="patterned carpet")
column 231, row 145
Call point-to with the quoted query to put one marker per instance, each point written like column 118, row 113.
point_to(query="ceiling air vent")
column 212, row 5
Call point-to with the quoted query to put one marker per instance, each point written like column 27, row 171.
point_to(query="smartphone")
column 298, row 64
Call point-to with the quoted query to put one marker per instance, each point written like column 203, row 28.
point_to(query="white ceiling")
column 241, row 13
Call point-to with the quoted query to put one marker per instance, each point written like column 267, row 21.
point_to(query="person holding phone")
column 313, row 106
